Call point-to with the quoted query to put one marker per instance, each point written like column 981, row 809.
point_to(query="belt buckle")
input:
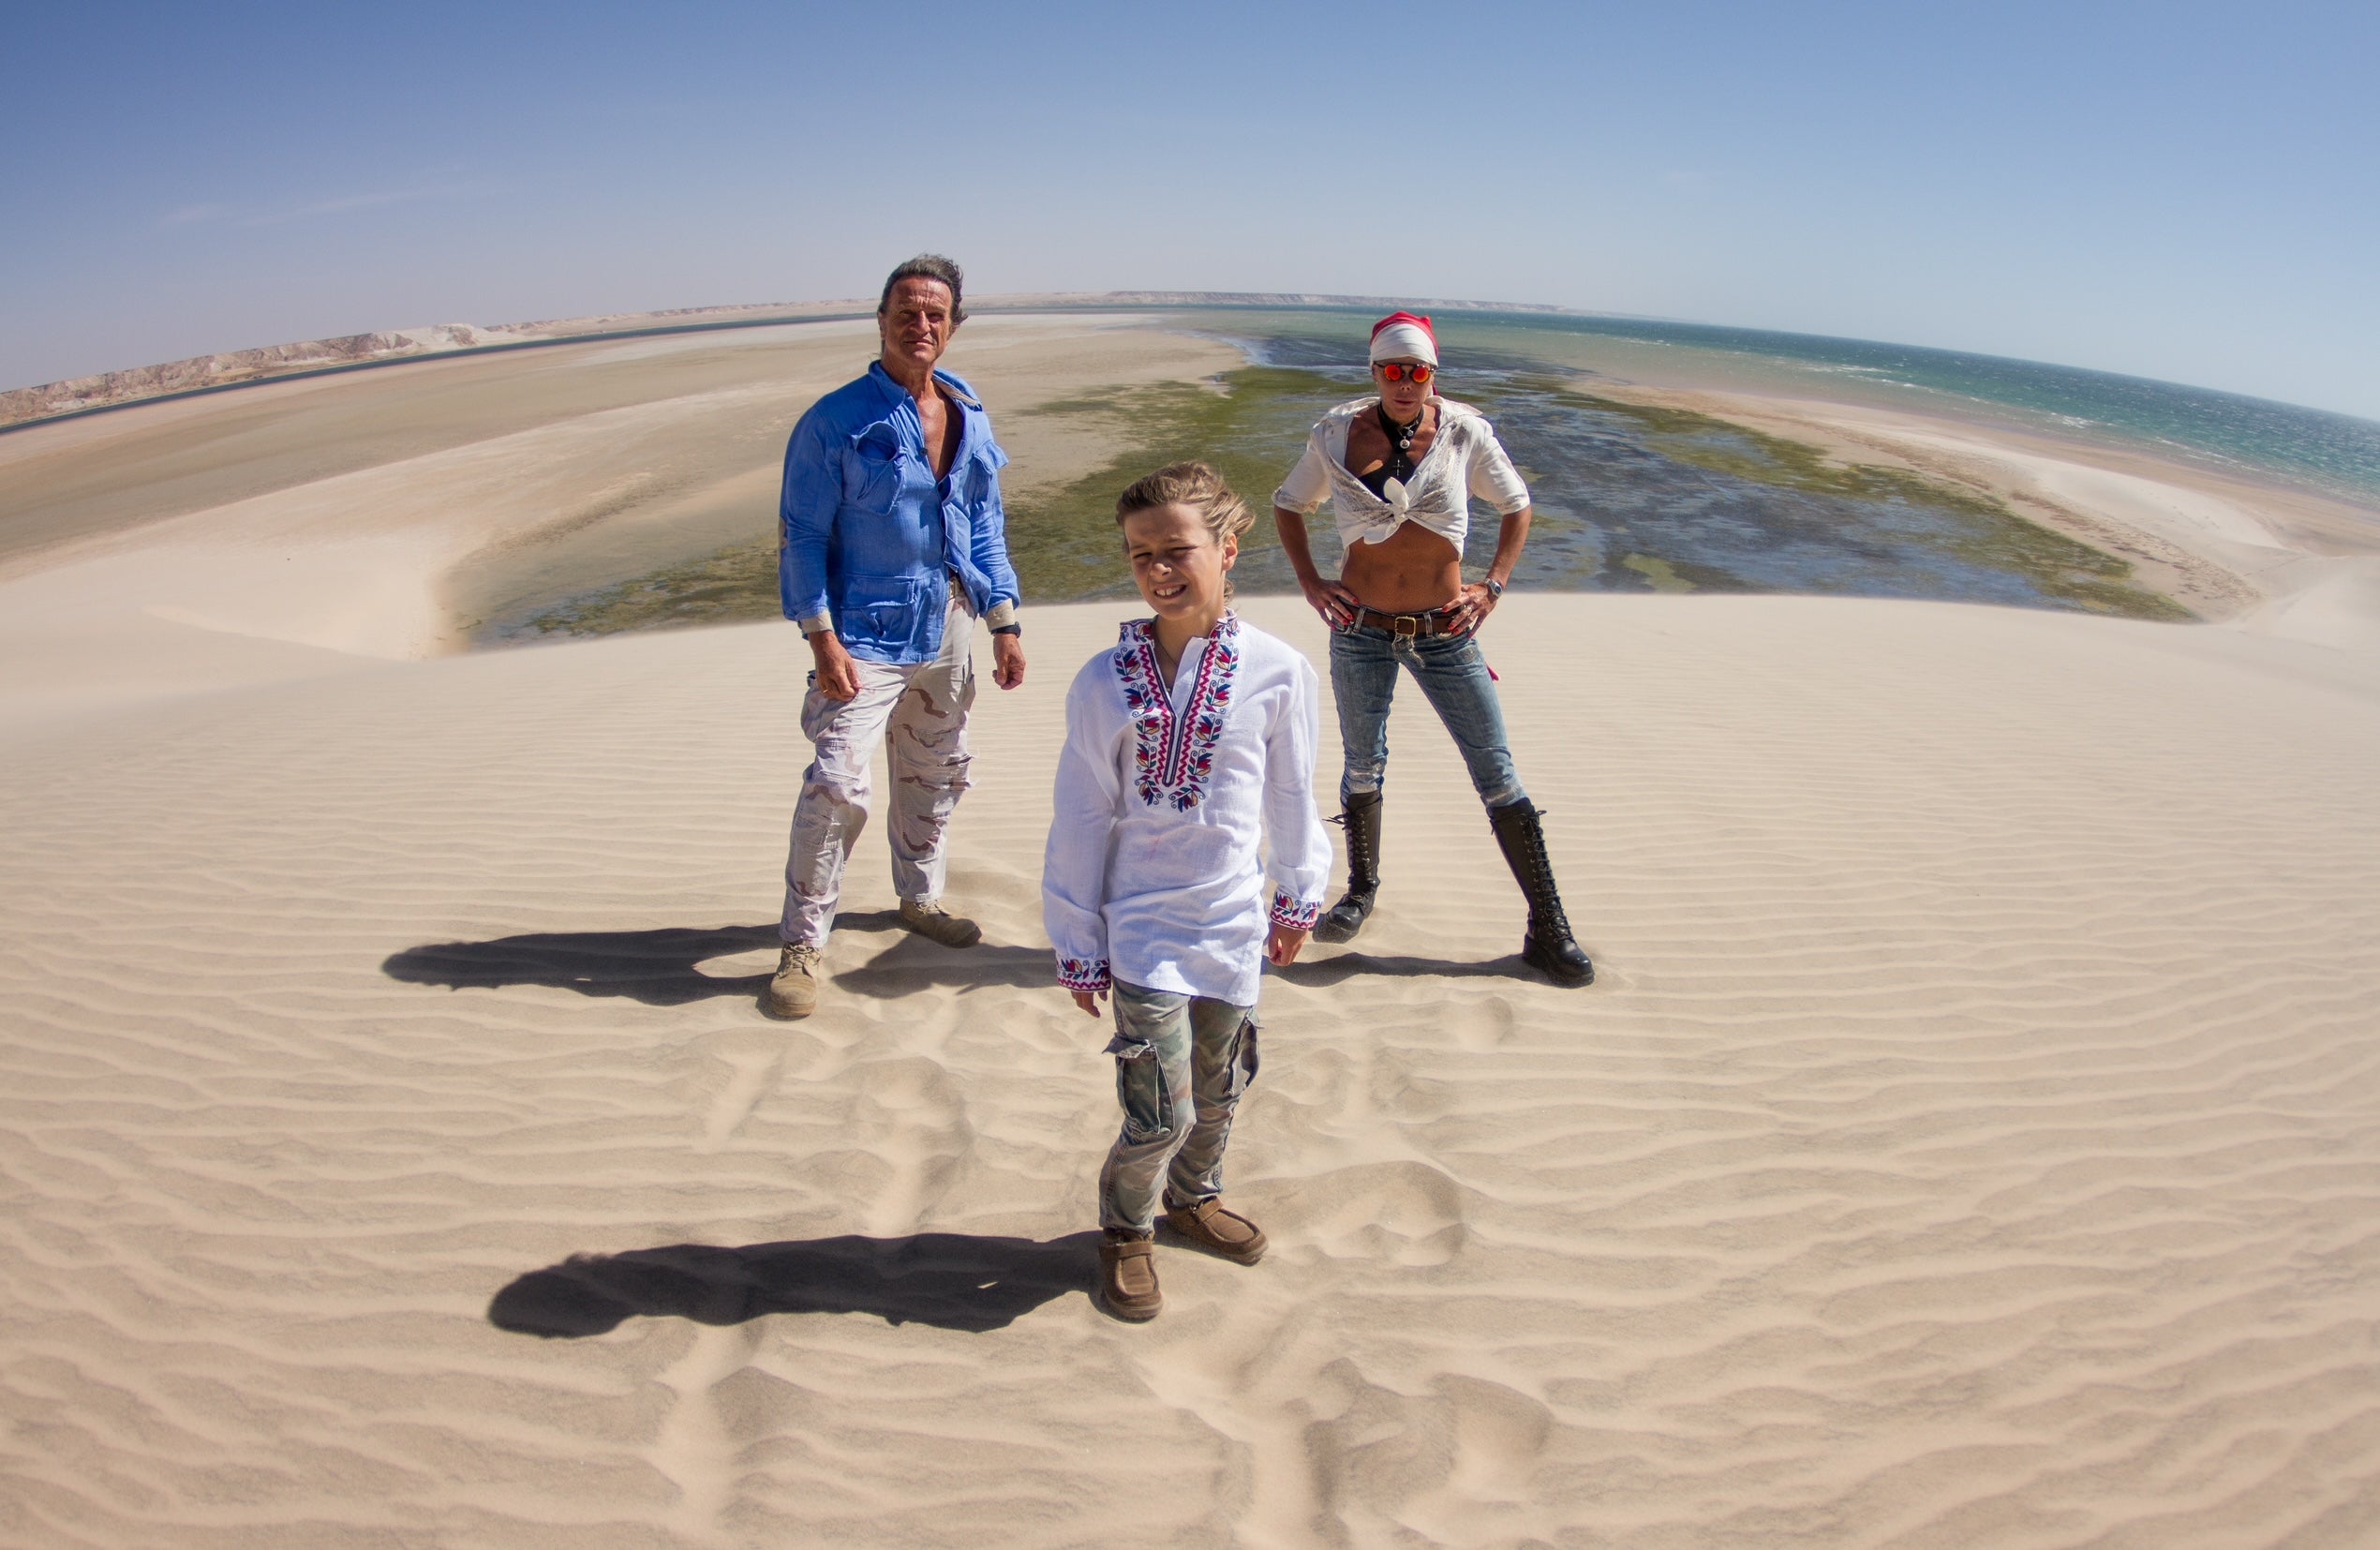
column 1408, row 626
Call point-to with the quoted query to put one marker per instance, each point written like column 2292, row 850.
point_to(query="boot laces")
column 1363, row 859
column 1545, row 908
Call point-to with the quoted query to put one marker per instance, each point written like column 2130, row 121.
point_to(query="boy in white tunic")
column 1188, row 746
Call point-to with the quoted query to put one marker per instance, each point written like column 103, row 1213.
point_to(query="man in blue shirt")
column 891, row 543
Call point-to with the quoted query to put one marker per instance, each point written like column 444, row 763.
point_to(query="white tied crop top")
column 1465, row 460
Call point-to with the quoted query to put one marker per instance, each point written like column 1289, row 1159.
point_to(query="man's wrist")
column 1011, row 629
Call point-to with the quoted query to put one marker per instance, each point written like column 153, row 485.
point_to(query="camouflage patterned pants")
column 1183, row 1063
column 921, row 713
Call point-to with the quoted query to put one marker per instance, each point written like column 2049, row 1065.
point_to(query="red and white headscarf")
column 1403, row 336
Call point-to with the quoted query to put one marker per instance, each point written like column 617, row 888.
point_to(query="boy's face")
column 1178, row 565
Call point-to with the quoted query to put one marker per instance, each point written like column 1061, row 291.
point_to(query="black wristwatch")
column 1011, row 628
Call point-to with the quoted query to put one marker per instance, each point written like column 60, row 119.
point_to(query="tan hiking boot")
column 1128, row 1278
column 794, row 991
column 1217, row 1231
column 933, row 922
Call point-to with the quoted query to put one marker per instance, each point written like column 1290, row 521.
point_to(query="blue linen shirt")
column 867, row 535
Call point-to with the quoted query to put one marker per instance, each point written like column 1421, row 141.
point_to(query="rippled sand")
column 1972, row 1137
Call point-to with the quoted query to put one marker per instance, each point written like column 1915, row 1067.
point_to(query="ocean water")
column 2334, row 455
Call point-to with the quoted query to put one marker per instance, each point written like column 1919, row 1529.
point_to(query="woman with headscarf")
column 1400, row 467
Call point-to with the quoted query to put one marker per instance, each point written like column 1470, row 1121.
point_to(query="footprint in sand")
column 1403, row 1214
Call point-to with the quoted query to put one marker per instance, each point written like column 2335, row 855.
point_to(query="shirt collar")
column 894, row 393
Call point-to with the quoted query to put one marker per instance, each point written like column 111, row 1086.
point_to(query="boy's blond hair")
column 1197, row 487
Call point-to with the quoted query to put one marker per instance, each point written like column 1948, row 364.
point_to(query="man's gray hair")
column 927, row 266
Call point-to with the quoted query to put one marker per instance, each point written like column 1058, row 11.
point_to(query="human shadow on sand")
column 657, row 967
column 660, row 968
column 917, row 964
column 911, row 964
column 1322, row 973
column 951, row 1280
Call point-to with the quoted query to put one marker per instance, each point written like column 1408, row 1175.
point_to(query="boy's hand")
column 1284, row 944
column 1089, row 1001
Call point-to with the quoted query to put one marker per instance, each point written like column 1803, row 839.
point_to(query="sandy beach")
column 1971, row 1140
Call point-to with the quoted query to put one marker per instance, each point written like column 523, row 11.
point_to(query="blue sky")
column 2188, row 191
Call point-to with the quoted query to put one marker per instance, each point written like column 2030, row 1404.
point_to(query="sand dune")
column 181, row 545
column 1972, row 1137
column 1969, row 1142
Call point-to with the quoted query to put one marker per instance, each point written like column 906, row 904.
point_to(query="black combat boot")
column 1346, row 918
column 1548, row 946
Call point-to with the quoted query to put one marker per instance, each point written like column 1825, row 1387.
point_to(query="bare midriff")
column 1413, row 570
column 1410, row 572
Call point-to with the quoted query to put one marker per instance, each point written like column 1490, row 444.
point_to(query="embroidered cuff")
column 1084, row 974
column 1297, row 916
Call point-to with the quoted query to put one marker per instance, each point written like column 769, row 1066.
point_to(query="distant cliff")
column 234, row 367
column 238, row 366
column 202, row 372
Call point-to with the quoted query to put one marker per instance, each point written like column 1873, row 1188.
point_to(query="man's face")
column 916, row 323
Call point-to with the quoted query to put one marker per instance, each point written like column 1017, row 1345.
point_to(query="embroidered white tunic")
column 1465, row 460
column 1155, row 872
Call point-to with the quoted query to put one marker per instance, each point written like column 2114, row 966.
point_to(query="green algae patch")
column 1249, row 425
column 1970, row 528
column 1659, row 573
column 732, row 586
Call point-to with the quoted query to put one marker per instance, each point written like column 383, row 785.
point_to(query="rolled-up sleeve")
column 1309, row 483
column 1492, row 477
column 1074, row 865
column 1300, row 850
column 813, row 490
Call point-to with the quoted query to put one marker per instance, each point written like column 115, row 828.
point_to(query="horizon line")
column 253, row 367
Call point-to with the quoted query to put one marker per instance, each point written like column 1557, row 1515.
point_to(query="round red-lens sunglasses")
column 1393, row 372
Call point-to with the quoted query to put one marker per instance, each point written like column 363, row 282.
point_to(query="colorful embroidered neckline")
column 1173, row 755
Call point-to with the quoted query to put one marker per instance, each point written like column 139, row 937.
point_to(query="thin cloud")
column 192, row 214
column 375, row 199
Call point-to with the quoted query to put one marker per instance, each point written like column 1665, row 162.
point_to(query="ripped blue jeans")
column 1182, row 1065
column 1453, row 676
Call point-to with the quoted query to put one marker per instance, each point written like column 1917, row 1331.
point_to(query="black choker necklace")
column 1401, row 438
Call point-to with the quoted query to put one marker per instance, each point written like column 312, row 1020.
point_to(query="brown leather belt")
column 1438, row 621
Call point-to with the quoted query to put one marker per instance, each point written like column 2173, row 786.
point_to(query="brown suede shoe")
column 1217, row 1231
column 936, row 924
column 1128, row 1279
